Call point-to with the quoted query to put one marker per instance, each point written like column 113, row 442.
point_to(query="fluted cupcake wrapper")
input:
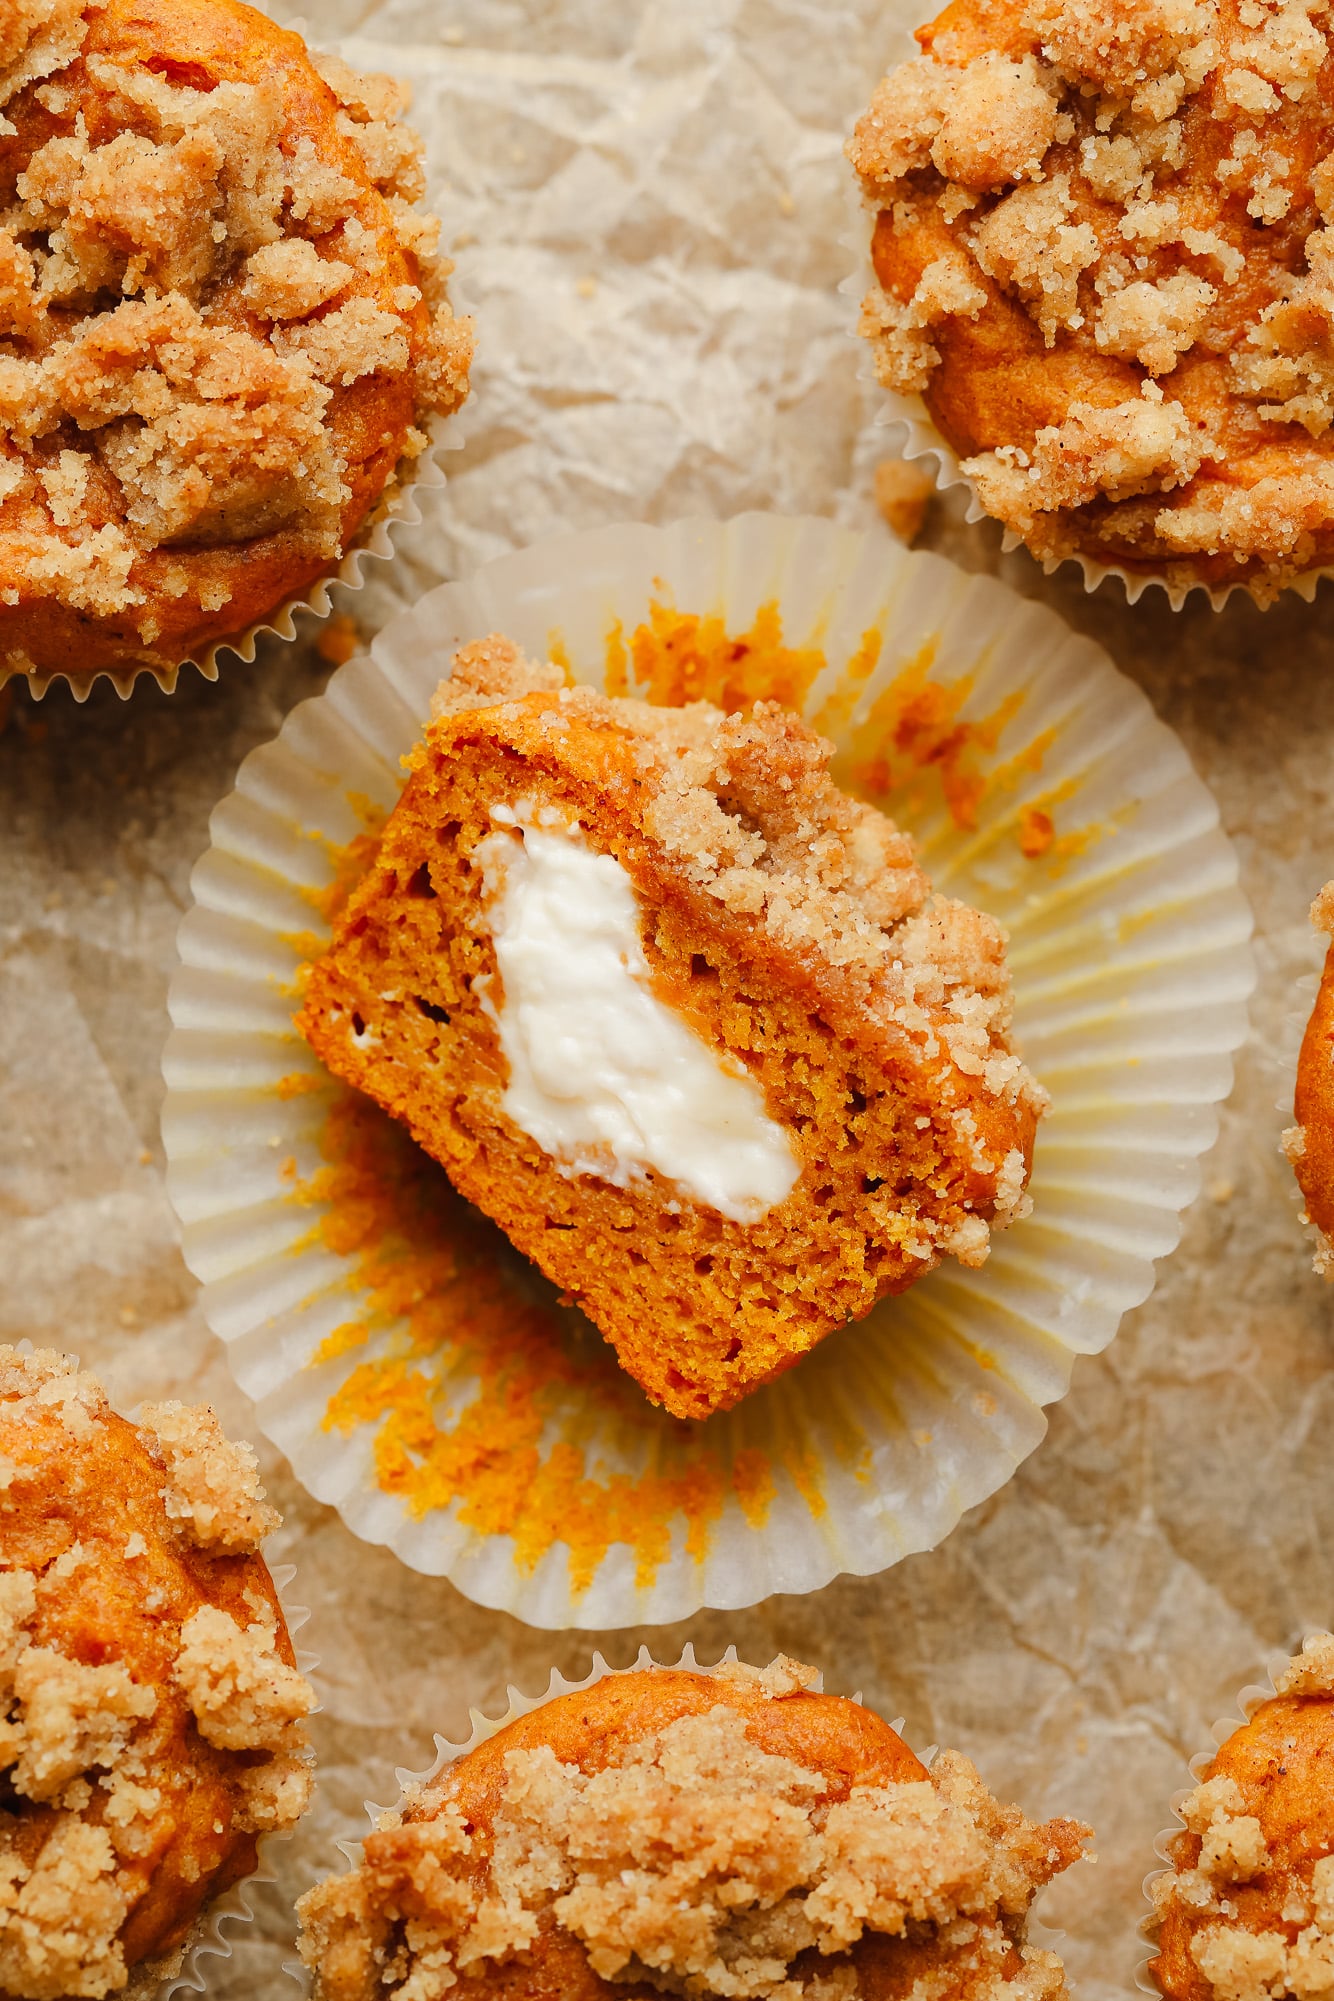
column 421, row 481
column 1131, row 964
column 1250, row 1698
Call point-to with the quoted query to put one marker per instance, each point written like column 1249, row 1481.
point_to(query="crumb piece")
column 903, row 492
column 1029, row 246
column 213, row 1486
column 289, row 280
column 60, row 1918
column 781, row 1677
column 243, row 1695
column 1155, row 323
column 1141, row 446
column 904, row 355
column 69, row 1718
column 1312, row 1671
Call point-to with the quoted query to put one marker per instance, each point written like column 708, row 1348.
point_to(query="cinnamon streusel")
column 1247, row 1911
column 727, row 1834
column 151, row 1727
column 223, row 326
column 1105, row 260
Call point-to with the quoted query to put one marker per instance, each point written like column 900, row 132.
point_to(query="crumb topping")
column 1105, row 179
column 1247, row 1912
column 697, row 1862
column 123, row 1714
column 188, row 288
column 213, row 1486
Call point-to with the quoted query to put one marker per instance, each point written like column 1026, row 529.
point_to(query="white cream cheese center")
column 605, row 1076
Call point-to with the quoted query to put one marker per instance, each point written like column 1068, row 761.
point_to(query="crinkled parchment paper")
column 647, row 198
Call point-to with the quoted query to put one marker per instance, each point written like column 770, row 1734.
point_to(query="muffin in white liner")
column 211, row 1494
column 832, row 1737
column 1249, row 1700
column 1131, row 966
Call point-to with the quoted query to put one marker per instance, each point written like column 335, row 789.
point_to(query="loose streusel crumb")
column 1247, row 1911
column 793, row 928
column 903, row 493
column 698, row 1836
column 223, row 324
column 1132, row 201
column 1309, row 1144
column 149, row 1705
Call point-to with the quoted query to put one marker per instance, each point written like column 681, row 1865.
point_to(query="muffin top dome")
column 668, row 1832
column 150, row 1706
column 1104, row 252
column 222, row 325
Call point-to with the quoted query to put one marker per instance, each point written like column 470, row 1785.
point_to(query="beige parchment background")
column 648, row 199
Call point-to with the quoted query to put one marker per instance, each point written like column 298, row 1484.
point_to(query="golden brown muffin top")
column 150, row 1707
column 1135, row 198
column 209, row 252
column 1247, row 1911
column 729, row 1834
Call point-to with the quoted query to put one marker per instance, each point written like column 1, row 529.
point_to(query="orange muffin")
column 667, row 1832
column 1247, row 1911
column 151, row 1704
column 1309, row 1144
column 1104, row 260
column 223, row 329
column 682, row 1018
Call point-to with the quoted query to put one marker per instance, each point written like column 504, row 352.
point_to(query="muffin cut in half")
column 670, row 1832
column 223, row 327
column 150, row 1705
column 684, row 1019
column 1104, row 256
column 1309, row 1144
column 1246, row 1912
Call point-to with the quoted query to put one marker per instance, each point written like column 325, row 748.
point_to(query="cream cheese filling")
column 604, row 1075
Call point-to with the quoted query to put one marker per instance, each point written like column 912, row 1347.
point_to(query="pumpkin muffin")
column 1247, row 1911
column 223, row 328
column 1105, row 261
column 681, row 1017
column 151, row 1723
column 666, row 1832
column 1309, row 1144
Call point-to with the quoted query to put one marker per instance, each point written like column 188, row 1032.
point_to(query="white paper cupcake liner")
column 422, row 480
column 518, row 1704
column 1249, row 1699
column 1131, row 966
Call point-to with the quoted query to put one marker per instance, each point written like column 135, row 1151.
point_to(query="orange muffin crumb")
column 1309, row 1144
column 1103, row 256
column 666, row 1832
column 787, row 927
column 1247, row 1911
column 152, row 1710
column 223, row 327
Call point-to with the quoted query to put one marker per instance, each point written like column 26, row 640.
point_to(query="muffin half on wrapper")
column 682, row 1017
column 1103, row 256
column 154, row 1712
column 668, row 1831
column 1246, row 1906
column 707, row 1020
column 225, row 342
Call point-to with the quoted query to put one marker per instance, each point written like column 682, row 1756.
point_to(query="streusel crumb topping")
column 1144, row 191
column 188, row 284
column 150, row 1716
column 698, row 1863
column 1247, row 1912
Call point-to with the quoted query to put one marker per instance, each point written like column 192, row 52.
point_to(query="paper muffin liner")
column 1249, row 1699
column 448, row 1753
column 1131, row 964
column 423, row 480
